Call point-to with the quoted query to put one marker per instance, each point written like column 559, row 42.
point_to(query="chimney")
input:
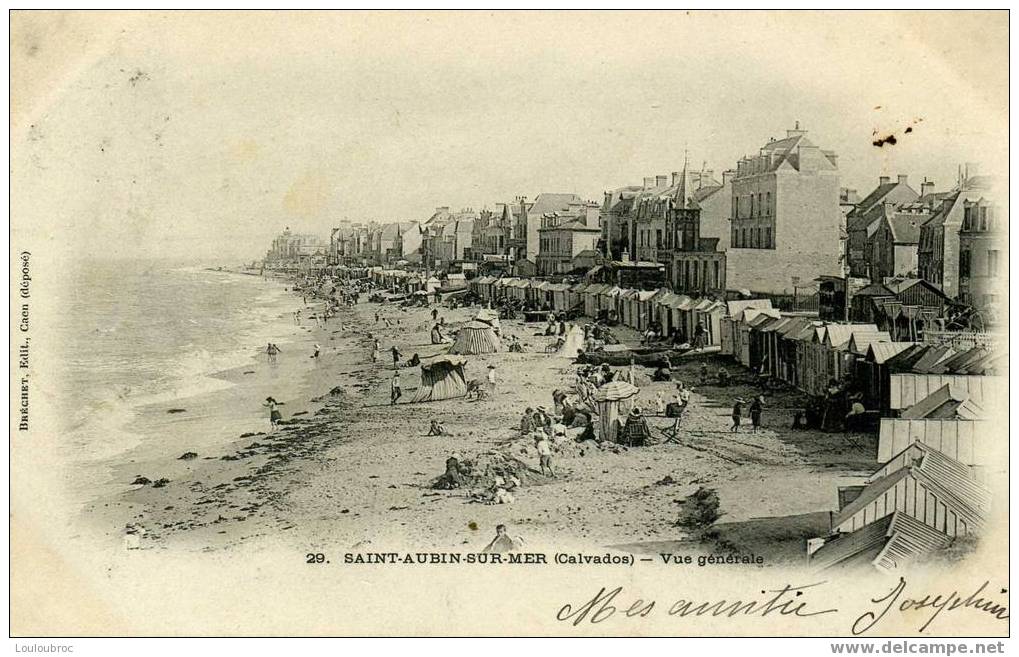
column 675, row 178
column 903, row 179
column 795, row 132
column 927, row 187
column 883, row 180
column 661, row 181
column 727, row 176
column 649, row 182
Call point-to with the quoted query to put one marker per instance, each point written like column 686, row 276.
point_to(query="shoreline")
column 353, row 472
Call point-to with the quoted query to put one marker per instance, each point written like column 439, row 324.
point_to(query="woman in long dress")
column 274, row 414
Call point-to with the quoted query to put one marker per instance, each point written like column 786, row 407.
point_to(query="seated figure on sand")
column 503, row 542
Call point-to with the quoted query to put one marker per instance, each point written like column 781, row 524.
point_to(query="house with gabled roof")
column 925, row 484
column 786, row 219
column 887, row 544
column 893, row 245
column 862, row 221
column 960, row 249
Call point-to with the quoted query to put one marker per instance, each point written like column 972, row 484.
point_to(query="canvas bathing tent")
column 476, row 338
column 441, row 378
column 613, row 400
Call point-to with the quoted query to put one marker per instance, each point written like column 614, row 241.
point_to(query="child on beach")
column 756, row 407
column 394, row 388
column 491, row 379
column 274, row 414
column 737, row 415
column 544, row 447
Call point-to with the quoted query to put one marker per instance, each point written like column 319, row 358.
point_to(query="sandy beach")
column 350, row 472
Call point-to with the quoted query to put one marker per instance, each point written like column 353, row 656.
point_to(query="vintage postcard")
column 486, row 323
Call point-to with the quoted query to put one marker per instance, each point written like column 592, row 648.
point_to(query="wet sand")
column 351, row 472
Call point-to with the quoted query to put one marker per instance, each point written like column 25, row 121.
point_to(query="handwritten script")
column 789, row 601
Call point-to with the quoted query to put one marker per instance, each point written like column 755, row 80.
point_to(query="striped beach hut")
column 441, row 378
column 476, row 337
column 591, row 298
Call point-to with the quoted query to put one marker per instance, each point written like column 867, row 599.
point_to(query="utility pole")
column 845, row 295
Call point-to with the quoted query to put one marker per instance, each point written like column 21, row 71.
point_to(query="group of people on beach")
column 756, row 409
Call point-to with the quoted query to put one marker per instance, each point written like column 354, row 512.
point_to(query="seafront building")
column 778, row 225
column 291, row 249
column 785, row 216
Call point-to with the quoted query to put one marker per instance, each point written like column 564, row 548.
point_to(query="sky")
column 201, row 135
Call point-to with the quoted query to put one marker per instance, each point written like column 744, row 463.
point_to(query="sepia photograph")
column 509, row 323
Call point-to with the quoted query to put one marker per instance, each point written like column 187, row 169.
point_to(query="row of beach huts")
column 935, row 446
column 662, row 310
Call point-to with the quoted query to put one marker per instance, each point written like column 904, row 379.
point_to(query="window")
column 983, row 218
column 967, row 218
column 658, row 238
column 751, row 205
column 718, row 281
column 743, row 237
column 964, row 264
column 768, row 203
column 993, row 262
column 760, row 206
column 767, row 238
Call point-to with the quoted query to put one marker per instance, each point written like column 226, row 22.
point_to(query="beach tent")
column 610, row 399
column 560, row 300
column 455, row 282
column 628, row 308
column 442, row 378
column 872, row 372
column 643, row 313
column 709, row 314
column 575, row 295
column 608, row 299
column 663, row 312
column 476, row 338
column 591, row 298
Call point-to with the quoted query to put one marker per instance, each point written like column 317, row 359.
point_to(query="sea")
column 138, row 335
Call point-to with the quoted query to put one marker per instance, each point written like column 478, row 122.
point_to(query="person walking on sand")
column 274, row 414
column 756, row 407
column 375, row 350
column 317, row 351
column 737, row 415
column 435, row 314
column 544, row 447
column 396, row 357
column 394, row 388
